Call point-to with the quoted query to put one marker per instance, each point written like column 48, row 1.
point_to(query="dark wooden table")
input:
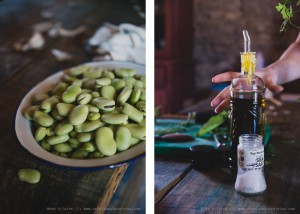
column 60, row 190
column 179, row 188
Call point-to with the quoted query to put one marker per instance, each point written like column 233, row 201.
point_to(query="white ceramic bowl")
column 25, row 136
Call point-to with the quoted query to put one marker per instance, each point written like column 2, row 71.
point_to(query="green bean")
column 125, row 72
column 132, row 113
column 40, row 133
column 104, row 103
column 29, row 112
column 31, row 176
column 79, row 154
column 123, row 137
column 59, row 89
column 39, row 98
column 124, row 95
column 79, row 70
column 137, row 131
column 84, row 137
column 93, row 116
column 69, row 96
column 62, row 148
column 108, row 92
column 43, row 119
column 103, row 81
column 84, row 98
column 105, row 141
column 57, row 139
column 135, row 96
column 63, row 109
column 114, row 119
column 88, row 147
column 118, row 84
column 63, row 128
column 78, row 115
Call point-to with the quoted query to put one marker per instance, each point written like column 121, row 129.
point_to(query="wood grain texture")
column 168, row 173
column 213, row 191
column 60, row 190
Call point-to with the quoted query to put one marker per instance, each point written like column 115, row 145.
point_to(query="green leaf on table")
column 213, row 123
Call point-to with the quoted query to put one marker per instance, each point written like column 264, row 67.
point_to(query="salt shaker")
column 250, row 177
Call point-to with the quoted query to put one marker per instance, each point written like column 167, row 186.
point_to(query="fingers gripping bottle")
column 247, row 102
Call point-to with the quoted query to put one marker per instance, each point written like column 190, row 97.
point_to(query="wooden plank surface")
column 213, row 191
column 60, row 190
column 168, row 172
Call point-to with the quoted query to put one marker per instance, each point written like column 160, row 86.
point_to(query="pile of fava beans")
column 91, row 112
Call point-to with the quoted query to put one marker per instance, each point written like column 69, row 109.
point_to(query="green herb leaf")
column 213, row 123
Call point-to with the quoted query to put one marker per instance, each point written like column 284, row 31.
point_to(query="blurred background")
column 197, row 39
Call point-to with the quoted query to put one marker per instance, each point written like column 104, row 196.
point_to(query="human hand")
column 222, row 100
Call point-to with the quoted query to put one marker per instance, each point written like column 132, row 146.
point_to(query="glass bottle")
column 247, row 102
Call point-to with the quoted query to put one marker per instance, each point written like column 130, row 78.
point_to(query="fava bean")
column 124, row 95
column 123, row 137
column 84, row 137
column 95, row 154
column 84, row 98
column 56, row 116
column 77, row 82
column 93, row 74
column 125, row 72
column 63, row 109
column 118, row 84
column 63, row 128
column 103, row 81
column 104, row 103
column 137, row 131
column 143, row 96
column 74, row 143
column 95, row 94
column 31, row 176
column 108, row 74
column 78, row 115
column 92, row 108
column 105, row 141
column 108, row 92
column 93, row 116
column 138, row 84
column 40, row 133
column 69, row 96
column 39, row 98
column 62, row 148
column 29, row 112
column 59, row 88
column 88, row 147
column 134, row 141
column 79, row 154
column 45, row 145
column 114, row 119
column 88, row 126
column 141, row 105
column 57, row 139
column 79, row 70
column 132, row 113
column 135, row 96
column 43, row 119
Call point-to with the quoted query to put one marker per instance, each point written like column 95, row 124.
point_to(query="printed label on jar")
column 251, row 160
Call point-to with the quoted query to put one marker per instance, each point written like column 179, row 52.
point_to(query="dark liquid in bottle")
column 247, row 117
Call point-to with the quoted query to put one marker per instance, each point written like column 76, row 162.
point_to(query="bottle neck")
column 248, row 64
